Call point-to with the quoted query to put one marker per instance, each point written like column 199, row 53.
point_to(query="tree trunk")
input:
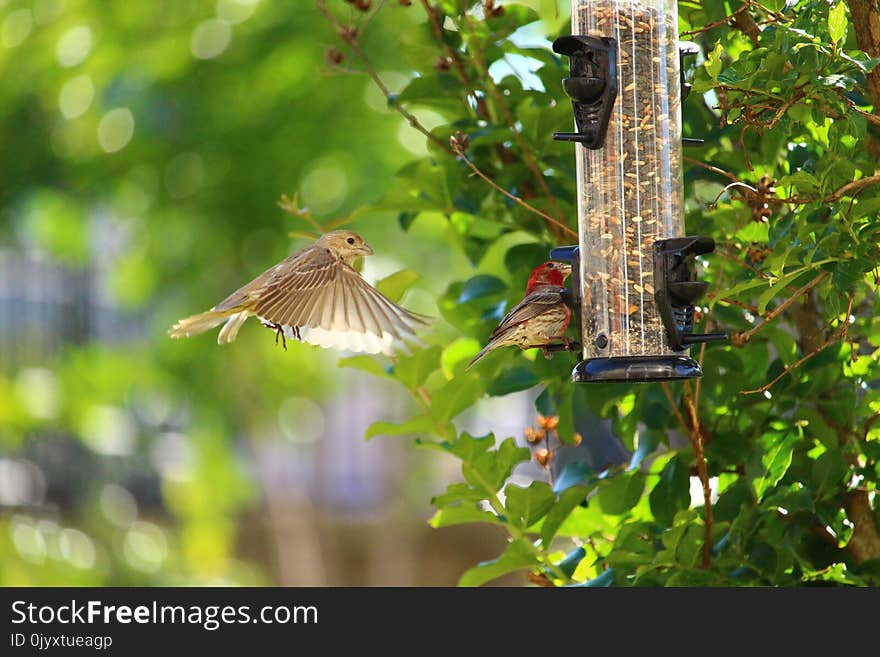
column 866, row 21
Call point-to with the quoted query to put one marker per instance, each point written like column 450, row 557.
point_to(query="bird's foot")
column 547, row 353
column 564, row 339
column 279, row 333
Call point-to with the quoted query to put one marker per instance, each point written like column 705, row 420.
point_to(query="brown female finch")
column 316, row 296
column 539, row 318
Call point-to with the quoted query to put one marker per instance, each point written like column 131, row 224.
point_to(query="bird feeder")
column 636, row 284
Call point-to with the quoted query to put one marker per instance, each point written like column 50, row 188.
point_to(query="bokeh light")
column 116, row 129
column 210, row 38
column 16, row 27
column 76, row 96
column 74, row 46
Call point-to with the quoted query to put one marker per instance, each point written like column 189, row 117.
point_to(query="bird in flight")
column 314, row 295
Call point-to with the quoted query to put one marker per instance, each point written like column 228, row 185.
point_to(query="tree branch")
column 710, row 167
column 349, row 35
column 724, row 21
column 516, row 199
column 454, row 56
column 672, row 405
column 697, row 439
column 694, row 432
column 742, row 338
column 866, row 23
column 839, row 334
column 852, row 188
column 526, row 152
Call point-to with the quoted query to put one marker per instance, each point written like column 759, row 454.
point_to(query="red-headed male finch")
column 316, row 296
column 540, row 318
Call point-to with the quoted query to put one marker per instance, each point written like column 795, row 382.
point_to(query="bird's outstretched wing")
column 324, row 301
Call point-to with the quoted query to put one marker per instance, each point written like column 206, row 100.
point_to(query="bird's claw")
column 279, row 333
column 547, row 353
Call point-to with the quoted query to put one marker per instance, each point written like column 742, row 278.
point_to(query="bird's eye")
column 350, row 240
column 550, row 265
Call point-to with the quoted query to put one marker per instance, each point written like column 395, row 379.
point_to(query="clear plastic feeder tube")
column 630, row 189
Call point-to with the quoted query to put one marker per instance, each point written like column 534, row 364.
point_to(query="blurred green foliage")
column 152, row 140
column 148, row 144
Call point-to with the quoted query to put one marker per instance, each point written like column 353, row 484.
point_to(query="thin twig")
column 351, row 38
column 697, row 440
column 742, row 338
column 453, row 55
column 527, row 156
column 516, row 199
column 850, row 188
column 838, row 335
column 678, row 416
column 735, row 258
column 712, row 168
column 349, row 35
column 718, row 23
column 741, row 304
column 870, row 117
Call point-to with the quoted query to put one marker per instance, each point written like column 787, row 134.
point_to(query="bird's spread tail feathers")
column 230, row 328
column 202, row 322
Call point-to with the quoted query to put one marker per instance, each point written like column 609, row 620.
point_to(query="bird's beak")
column 366, row 250
column 565, row 268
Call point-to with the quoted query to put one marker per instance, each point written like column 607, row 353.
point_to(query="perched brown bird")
column 540, row 318
column 316, row 296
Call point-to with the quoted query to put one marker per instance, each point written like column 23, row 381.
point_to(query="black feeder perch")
column 634, row 275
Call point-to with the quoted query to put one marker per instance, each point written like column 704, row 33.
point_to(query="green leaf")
column 457, row 395
column 568, row 500
column 365, row 364
column 484, row 468
column 693, row 578
column 672, row 492
column 461, row 514
column 528, row 505
column 828, row 473
column 837, row 21
column 776, row 461
column 438, row 91
column 412, row 370
column 633, row 547
column 713, row 62
column 512, row 379
column 602, row 580
column 456, row 356
column 622, row 492
column 395, row 285
column 768, row 295
column 415, row 425
column 517, row 556
column 806, row 183
column 456, row 494
column 481, row 286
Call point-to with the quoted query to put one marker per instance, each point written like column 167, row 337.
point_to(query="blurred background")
column 145, row 146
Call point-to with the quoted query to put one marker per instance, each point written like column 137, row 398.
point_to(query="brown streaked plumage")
column 540, row 318
column 314, row 295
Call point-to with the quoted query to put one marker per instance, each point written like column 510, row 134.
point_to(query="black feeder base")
column 636, row 369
